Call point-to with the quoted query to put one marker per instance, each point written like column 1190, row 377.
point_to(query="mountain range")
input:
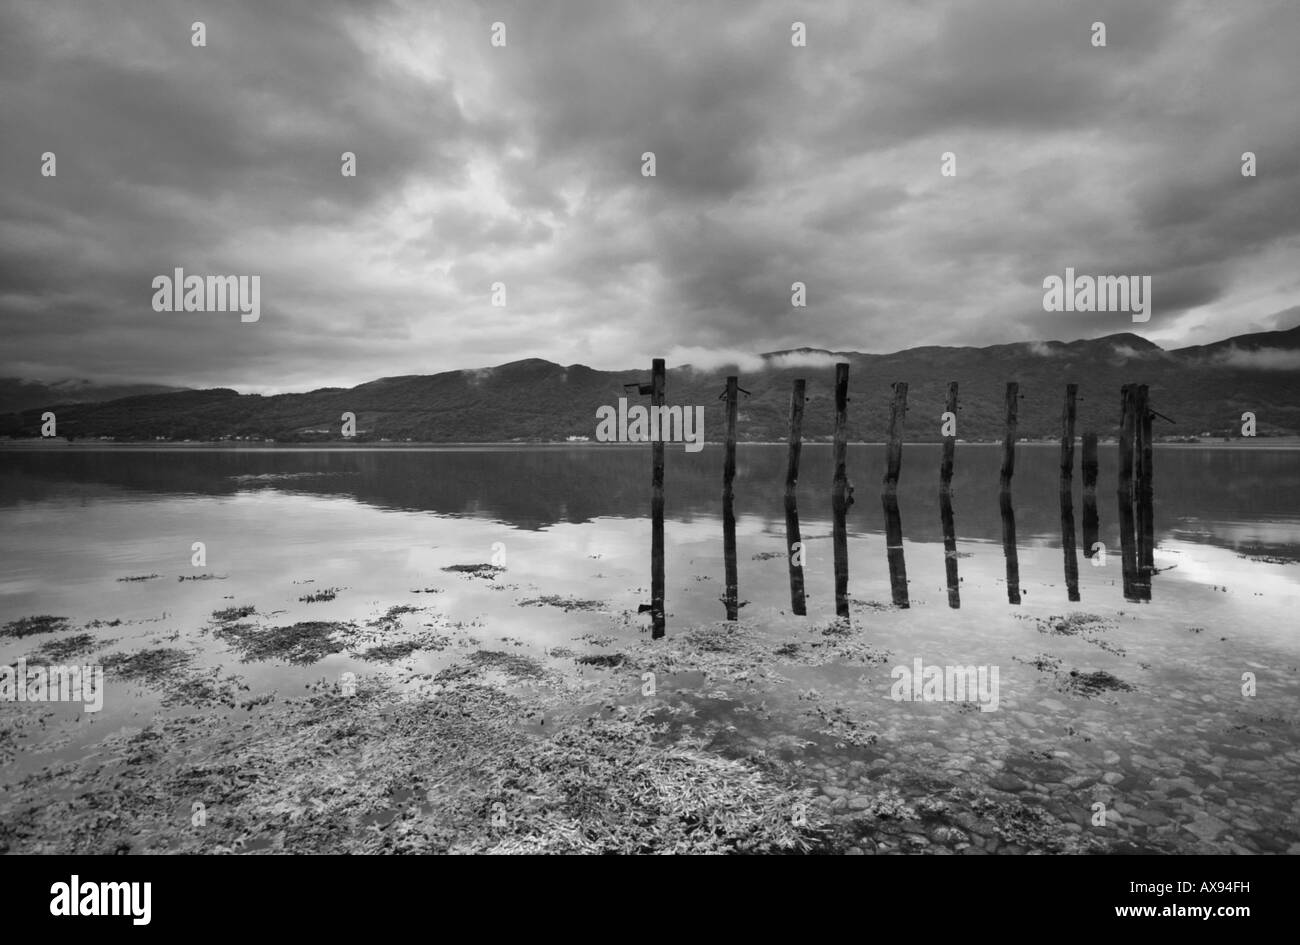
column 1203, row 390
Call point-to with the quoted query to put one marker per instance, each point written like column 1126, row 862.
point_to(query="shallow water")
column 1193, row 751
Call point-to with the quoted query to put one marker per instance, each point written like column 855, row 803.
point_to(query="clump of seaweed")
column 231, row 614
column 486, row 571
column 324, row 595
column 512, row 664
column 153, row 667
column 1092, row 684
column 604, row 660
column 304, row 642
column 391, row 652
column 567, row 604
column 30, row 626
column 397, row 610
column 138, row 577
column 1042, row 662
column 1085, row 626
column 60, row 651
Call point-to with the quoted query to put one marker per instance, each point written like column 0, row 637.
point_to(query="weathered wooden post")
column 731, row 595
column 1004, row 488
column 841, row 491
column 1009, row 437
column 1091, row 523
column 793, row 542
column 894, row 448
column 1124, row 490
column 1145, row 492
column 949, row 443
column 945, row 502
column 1067, row 437
column 798, row 396
column 889, row 496
column 657, row 505
column 1067, row 493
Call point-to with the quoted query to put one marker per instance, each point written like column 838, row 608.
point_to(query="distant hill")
column 18, row 395
column 1202, row 388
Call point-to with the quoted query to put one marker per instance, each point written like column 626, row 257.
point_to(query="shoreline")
column 569, row 751
column 56, row 443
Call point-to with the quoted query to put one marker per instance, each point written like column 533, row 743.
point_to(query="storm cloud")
column 521, row 164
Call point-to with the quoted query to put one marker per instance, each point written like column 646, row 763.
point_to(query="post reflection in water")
column 1091, row 523
column 950, row 549
column 894, row 550
column 1009, row 547
column 1068, row 545
column 795, row 556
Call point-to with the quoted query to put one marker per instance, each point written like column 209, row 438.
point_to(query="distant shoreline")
column 1250, row 443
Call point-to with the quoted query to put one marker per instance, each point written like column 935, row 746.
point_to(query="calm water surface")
column 572, row 522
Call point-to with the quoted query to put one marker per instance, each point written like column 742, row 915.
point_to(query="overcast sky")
column 522, row 165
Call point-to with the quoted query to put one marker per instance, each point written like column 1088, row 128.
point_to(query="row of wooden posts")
column 1134, row 495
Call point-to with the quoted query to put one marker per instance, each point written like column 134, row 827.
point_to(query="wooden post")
column 1145, row 492
column 894, row 449
column 793, row 543
column 1068, row 549
column 1067, row 437
column 841, row 491
column 945, row 505
column 1091, row 523
column 730, row 598
column 1009, row 437
column 949, row 444
column 797, row 398
column 1124, row 490
column 657, row 507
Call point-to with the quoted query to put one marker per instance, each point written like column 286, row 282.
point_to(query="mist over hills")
column 1204, row 388
column 17, row 394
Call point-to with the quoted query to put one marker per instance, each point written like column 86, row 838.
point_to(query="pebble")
column 1008, row 782
column 945, row 834
column 1206, row 827
column 1152, row 818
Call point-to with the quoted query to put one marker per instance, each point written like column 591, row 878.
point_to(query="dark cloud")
column 521, row 164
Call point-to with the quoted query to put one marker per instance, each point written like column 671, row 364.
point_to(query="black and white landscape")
column 601, row 427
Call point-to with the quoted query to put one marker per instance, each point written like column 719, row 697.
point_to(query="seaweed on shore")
column 566, row 604
column 60, row 651
column 232, row 614
column 391, row 652
column 153, row 667
column 373, row 773
column 485, row 571
column 30, row 626
column 604, row 660
column 1092, row 684
column 305, row 642
column 512, row 664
